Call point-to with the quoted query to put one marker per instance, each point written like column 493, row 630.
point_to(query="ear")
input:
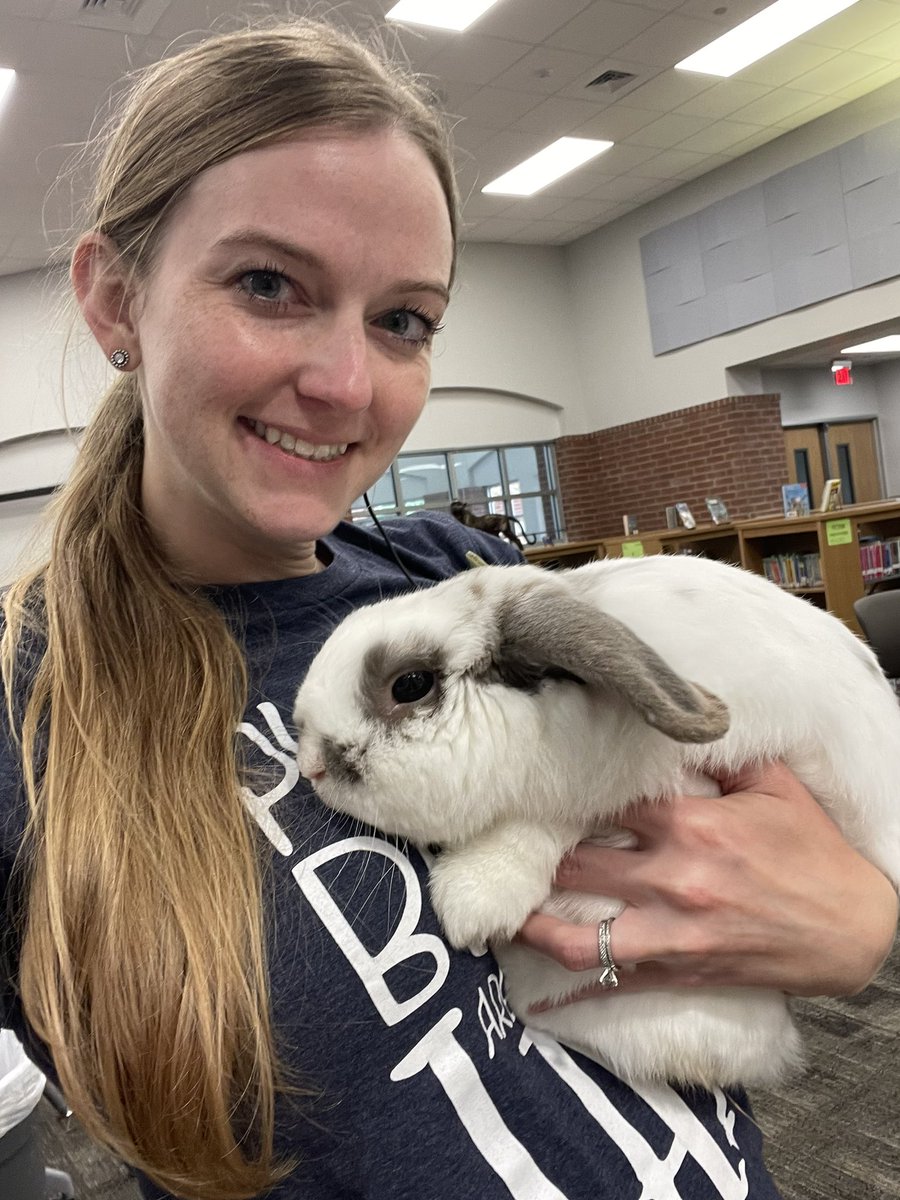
column 105, row 290
column 545, row 633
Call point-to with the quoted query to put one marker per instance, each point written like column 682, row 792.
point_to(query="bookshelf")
column 710, row 541
column 791, row 544
column 566, row 554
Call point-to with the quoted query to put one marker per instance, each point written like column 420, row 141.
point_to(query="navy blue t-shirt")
column 427, row 1087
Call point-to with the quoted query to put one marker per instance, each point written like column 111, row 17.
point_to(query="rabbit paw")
column 477, row 901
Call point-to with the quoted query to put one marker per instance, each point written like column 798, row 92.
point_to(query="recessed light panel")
column 442, row 14
column 7, row 75
column 882, row 345
column 549, row 164
column 775, row 26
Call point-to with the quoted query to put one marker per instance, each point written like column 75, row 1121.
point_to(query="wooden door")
column 853, row 458
column 805, row 461
column 846, row 450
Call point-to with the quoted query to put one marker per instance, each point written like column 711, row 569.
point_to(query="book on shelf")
column 831, row 496
column 671, row 517
column 685, row 516
column 795, row 499
column 879, row 558
column 629, row 524
column 794, row 570
column 717, row 510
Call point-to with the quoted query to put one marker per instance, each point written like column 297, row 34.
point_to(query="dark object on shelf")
column 879, row 619
column 499, row 524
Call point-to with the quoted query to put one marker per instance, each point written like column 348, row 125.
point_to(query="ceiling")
column 517, row 79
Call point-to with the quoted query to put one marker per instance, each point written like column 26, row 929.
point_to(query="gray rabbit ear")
column 543, row 632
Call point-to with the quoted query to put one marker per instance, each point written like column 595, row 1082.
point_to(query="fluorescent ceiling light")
column 880, row 346
column 549, row 164
column 7, row 75
column 442, row 14
column 760, row 35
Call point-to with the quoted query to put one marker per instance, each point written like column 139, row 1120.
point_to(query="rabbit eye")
column 412, row 686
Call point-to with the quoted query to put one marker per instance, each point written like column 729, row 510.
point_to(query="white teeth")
column 292, row 445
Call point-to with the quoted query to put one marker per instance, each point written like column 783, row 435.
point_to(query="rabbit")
column 510, row 712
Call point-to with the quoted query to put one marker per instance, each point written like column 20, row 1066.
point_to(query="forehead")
column 375, row 192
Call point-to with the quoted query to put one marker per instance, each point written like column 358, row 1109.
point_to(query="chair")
column 879, row 619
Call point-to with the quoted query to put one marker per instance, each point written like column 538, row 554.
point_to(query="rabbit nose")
column 311, row 763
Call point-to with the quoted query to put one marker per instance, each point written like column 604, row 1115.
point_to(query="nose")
column 336, row 367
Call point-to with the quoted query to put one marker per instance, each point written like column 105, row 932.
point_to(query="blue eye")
column 263, row 284
column 409, row 325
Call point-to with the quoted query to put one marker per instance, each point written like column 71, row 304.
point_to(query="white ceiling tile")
column 704, row 167
column 616, row 123
column 495, row 229
column 885, row 45
column 869, row 83
column 760, row 138
column 614, row 191
column 840, row 72
column 670, row 90
column 547, row 70
column 557, row 116
column 603, row 28
column 530, row 20
column 727, row 16
column 478, row 207
column 476, row 59
column 824, row 104
column 468, row 135
column 717, row 137
column 855, row 24
column 783, row 66
column 669, row 40
column 539, row 207
column 19, row 43
column 668, row 163
column 669, row 130
column 724, row 98
column 622, row 158
column 775, row 106
column 498, row 107
column 580, row 211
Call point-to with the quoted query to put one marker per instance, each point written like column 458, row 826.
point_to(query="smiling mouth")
column 294, row 446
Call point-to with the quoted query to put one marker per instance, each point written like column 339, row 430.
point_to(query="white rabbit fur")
column 506, row 771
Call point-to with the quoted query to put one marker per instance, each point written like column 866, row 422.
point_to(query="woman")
column 233, row 1003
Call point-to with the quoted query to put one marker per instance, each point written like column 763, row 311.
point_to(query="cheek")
column 401, row 400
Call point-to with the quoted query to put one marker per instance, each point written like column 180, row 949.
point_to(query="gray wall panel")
column 816, row 230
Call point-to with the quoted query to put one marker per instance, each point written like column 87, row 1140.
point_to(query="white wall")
column 509, row 328
column 625, row 381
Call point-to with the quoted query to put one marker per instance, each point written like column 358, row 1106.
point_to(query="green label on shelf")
column 839, row 533
column 632, row 549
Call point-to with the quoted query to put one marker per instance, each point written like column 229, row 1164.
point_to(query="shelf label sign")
column 632, row 549
column 839, row 533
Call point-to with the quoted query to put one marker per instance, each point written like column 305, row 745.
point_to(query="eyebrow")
column 257, row 237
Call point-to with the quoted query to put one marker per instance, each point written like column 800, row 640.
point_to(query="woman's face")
column 284, row 341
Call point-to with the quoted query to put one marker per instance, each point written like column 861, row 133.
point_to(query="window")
column 517, row 480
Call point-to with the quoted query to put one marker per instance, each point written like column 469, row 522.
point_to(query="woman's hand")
column 754, row 888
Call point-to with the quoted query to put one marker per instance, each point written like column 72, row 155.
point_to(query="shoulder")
column 443, row 541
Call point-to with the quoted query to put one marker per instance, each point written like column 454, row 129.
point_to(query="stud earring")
column 119, row 359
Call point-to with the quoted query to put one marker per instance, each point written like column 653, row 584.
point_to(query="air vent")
column 121, row 16
column 611, row 81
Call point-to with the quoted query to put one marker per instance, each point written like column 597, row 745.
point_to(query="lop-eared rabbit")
column 510, row 712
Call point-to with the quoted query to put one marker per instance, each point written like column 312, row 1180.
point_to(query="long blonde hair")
column 143, row 962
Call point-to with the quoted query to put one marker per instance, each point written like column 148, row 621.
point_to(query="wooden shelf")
column 566, row 554
column 834, row 536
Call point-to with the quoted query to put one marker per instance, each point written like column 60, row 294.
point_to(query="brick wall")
column 732, row 448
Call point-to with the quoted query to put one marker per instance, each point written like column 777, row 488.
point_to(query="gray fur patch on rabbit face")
column 386, row 663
